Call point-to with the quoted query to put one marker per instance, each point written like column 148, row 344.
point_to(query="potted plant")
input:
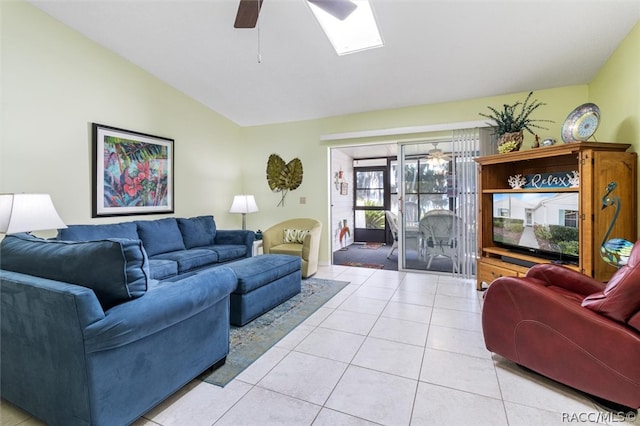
column 511, row 122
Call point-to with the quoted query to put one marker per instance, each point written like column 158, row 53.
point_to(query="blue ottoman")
column 264, row 282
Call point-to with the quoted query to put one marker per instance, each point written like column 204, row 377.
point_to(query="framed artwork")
column 344, row 188
column 132, row 172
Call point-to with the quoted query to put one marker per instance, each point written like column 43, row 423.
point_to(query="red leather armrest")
column 530, row 322
column 559, row 276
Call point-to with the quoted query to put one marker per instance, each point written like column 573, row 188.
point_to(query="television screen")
column 543, row 223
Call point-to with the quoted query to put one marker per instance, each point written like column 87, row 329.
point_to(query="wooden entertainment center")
column 598, row 164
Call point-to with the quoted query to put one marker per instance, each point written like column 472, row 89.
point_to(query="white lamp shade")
column 243, row 204
column 28, row 212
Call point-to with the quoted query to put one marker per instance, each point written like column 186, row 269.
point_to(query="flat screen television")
column 544, row 224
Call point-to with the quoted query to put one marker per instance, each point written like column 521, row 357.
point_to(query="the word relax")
column 549, row 181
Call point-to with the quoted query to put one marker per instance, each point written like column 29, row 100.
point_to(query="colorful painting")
column 133, row 172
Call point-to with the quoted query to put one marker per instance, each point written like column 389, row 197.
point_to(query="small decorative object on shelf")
column 510, row 124
column 536, row 142
column 510, row 145
column 517, row 181
column 574, row 179
column 548, row 142
column 615, row 251
column 553, row 180
column 581, row 123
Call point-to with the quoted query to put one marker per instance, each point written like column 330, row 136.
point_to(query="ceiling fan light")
column 356, row 32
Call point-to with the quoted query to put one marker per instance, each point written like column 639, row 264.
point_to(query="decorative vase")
column 515, row 137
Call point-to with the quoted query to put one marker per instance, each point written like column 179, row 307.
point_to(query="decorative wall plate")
column 581, row 123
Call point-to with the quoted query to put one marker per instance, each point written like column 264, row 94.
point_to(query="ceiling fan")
column 438, row 154
column 249, row 10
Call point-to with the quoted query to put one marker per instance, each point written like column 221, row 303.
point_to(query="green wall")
column 303, row 140
column 616, row 90
column 55, row 82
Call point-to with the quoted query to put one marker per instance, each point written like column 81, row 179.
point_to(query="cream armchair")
column 304, row 244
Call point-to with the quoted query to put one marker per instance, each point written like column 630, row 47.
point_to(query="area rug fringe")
column 371, row 246
column 364, row 265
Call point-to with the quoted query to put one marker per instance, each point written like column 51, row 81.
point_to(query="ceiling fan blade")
column 340, row 9
column 248, row 11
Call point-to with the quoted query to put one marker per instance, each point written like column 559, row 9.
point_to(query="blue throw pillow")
column 127, row 230
column 117, row 270
column 160, row 236
column 197, row 231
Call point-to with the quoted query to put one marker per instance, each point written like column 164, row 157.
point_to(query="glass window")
column 427, row 187
column 570, row 218
column 433, row 178
column 369, row 189
column 370, row 198
column 369, row 219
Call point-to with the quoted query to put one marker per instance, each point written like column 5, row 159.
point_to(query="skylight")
column 357, row 32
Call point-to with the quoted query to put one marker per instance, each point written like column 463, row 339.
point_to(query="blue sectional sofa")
column 174, row 245
column 89, row 338
column 106, row 321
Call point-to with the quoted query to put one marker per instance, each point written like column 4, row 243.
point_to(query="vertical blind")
column 468, row 144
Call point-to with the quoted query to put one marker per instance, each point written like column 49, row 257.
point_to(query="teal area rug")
column 249, row 342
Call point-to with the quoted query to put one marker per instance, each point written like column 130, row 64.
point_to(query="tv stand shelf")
column 597, row 164
column 500, row 262
column 506, row 253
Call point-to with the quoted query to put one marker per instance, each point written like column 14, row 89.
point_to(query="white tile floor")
column 392, row 349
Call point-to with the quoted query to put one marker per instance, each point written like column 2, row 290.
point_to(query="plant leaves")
column 283, row 176
column 507, row 120
column 294, row 173
column 275, row 167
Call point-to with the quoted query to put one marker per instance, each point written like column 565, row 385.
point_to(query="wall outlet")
column 303, row 200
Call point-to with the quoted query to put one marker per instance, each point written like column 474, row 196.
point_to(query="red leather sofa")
column 571, row 328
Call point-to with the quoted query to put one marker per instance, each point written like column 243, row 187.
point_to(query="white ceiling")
column 435, row 51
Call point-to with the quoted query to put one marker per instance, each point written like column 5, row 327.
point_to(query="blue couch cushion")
column 197, row 231
column 189, row 260
column 162, row 268
column 117, row 270
column 227, row 252
column 127, row 230
column 160, row 236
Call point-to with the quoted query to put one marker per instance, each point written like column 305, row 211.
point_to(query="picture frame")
column 344, row 188
column 133, row 172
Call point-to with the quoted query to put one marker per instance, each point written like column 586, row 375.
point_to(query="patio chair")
column 392, row 219
column 440, row 234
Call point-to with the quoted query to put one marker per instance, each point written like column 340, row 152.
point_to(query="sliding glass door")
column 424, row 187
column 435, row 198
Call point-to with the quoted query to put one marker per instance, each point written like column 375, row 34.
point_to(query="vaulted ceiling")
column 435, row 51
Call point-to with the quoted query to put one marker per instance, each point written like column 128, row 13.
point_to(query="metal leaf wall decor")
column 283, row 177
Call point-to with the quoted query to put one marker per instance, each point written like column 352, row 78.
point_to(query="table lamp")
column 243, row 204
column 27, row 213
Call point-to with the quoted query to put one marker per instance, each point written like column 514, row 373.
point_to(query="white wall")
column 341, row 205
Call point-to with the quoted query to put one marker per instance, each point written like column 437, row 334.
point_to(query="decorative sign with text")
column 553, row 180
